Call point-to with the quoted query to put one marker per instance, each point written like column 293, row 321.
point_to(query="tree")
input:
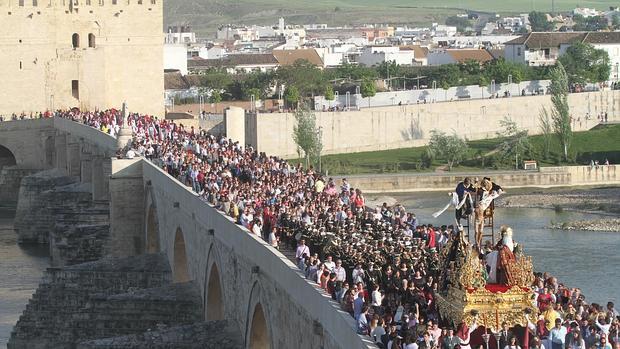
column 329, row 93
column 461, row 23
column 217, row 79
column 593, row 23
column 215, row 96
column 252, row 93
column 584, row 63
column 546, row 127
column 450, row 148
column 291, row 95
column 516, row 143
column 305, row 76
column 560, row 113
column 367, row 89
column 539, row 22
column 306, row 134
column 615, row 22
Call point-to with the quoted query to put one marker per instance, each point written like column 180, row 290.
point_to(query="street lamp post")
column 320, row 135
column 201, row 102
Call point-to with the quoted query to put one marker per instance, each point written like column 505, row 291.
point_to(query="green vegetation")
column 206, row 15
column 461, row 23
column 584, row 63
column 302, row 80
column 539, row 22
column 599, row 144
column 451, row 148
column 306, row 135
column 560, row 112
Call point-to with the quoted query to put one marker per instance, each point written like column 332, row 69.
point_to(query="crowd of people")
column 381, row 265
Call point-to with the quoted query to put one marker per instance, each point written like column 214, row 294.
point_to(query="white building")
column 537, row 49
column 375, row 55
column 175, row 57
column 215, row 52
column 237, row 33
column 586, row 12
column 443, row 30
column 180, row 35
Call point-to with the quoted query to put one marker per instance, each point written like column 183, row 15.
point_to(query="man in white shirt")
column 377, row 297
column 358, row 275
column 557, row 335
column 302, row 250
column 329, row 263
column 341, row 274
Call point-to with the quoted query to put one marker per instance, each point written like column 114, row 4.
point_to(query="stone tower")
column 58, row 54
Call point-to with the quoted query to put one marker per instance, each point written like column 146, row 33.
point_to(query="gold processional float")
column 467, row 294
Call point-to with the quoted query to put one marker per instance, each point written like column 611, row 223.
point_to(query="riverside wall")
column 546, row 177
column 393, row 127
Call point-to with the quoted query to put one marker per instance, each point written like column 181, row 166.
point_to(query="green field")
column 206, row 15
column 597, row 144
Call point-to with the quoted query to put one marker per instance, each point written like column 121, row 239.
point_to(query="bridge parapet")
column 252, row 277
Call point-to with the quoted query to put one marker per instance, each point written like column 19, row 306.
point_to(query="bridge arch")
column 258, row 329
column 180, row 271
column 259, row 332
column 214, row 300
column 7, row 158
column 152, row 230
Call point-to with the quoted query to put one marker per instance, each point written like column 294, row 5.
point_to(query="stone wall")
column 212, row 334
column 106, row 298
column 383, row 128
column 49, row 201
column 10, row 181
column 545, row 178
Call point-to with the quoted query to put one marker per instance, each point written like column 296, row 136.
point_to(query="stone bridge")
column 241, row 278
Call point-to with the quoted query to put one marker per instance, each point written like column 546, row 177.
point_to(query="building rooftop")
column 288, row 57
column 234, row 60
column 463, row 55
column 555, row 39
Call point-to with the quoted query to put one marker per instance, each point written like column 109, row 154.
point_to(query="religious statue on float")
column 486, row 290
column 507, row 265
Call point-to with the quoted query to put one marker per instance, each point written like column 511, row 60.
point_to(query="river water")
column 21, row 269
column 588, row 260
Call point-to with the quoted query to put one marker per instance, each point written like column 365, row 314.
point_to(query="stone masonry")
column 10, row 180
column 107, row 298
column 212, row 334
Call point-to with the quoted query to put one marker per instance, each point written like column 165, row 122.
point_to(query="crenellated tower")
column 81, row 53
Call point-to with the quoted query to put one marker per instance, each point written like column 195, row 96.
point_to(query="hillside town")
column 400, row 57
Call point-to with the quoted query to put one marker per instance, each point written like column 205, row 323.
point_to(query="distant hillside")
column 206, row 15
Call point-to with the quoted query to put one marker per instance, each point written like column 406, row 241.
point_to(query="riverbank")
column 595, row 200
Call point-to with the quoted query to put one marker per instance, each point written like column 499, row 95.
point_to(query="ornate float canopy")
column 465, row 293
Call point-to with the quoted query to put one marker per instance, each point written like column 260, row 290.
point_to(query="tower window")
column 21, row 3
column 21, row 65
column 35, row 3
column 75, row 40
column 91, row 40
column 75, row 89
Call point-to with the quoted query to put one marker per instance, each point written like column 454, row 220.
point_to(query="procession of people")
column 380, row 264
